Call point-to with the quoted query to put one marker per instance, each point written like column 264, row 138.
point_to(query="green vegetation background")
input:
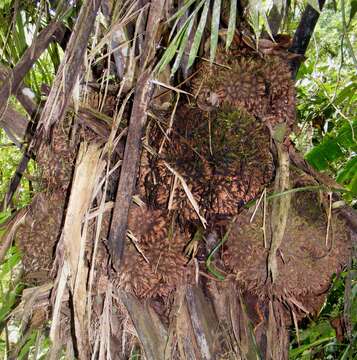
column 327, row 122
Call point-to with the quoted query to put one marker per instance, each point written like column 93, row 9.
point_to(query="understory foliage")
column 327, row 85
column 326, row 130
column 327, row 96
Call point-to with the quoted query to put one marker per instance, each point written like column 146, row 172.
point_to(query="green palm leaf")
column 216, row 13
column 198, row 36
column 231, row 23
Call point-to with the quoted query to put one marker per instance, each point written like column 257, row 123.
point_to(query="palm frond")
column 198, row 36
column 231, row 23
column 216, row 13
column 207, row 9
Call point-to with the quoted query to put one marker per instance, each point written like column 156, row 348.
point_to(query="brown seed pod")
column 302, row 254
column 211, row 153
column 155, row 264
column 261, row 86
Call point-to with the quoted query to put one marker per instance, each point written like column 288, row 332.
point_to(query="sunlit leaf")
column 216, row 13
column 14, row 258
column 347, row 135
column 296, row 353
column 198, row 36
column 321, row 155
column 181, row 11
column 179, row 40
column 254, row 17
column 267, row 26
column 171, row 50
column 9, row 301
column 314, row 4
column 182, row 46
column 353, row 9
column 279, row 4
column 27, row 346
column 353, row 184
column 172, row 32
column 231, row 23
column 4, row 215
column 346, row 93
column 4, row 3
column 333, row 146
column 348, row 171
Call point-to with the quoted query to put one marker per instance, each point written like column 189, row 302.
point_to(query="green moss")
column 229, row 134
